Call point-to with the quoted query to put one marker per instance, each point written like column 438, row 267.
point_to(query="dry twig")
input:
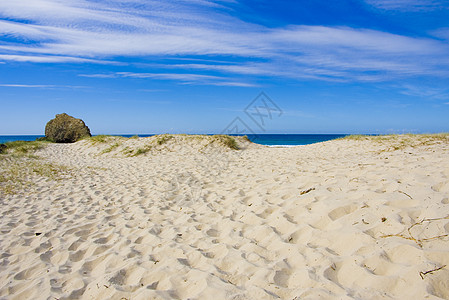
column 419, row 242
column 306, row 191
column 422, row 274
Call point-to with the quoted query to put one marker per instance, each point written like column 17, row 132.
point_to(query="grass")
column 127, row 151
column 110, row 148
column 402, row 141
column 17, row 172
column 99, row 139
column 163, row 138
column 21, row 148
column 154, row 142
column 226, row 140
column 142, row 150
column 19, row 166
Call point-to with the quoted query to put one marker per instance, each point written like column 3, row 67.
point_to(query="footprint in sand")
column 441, row 187
column 342, row 211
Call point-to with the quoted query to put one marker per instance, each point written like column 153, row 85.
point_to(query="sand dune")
column 187, row 218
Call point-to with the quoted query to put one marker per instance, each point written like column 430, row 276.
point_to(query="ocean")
column 279, row 140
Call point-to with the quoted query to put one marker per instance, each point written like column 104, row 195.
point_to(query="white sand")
column 189, row 221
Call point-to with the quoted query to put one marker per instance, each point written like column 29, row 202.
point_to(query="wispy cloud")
column 185, row 78
column 87, row 31
column 51, row 59
column 424, row 91
column 40, row 86
column 407, row 5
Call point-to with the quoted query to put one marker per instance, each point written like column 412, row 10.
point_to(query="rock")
column 66, row 129
column 3, row 148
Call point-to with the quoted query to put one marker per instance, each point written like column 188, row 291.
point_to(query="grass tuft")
column 142, row 150
column 110, row 148
column 21, row 148
column 227, row 141
column 98, row 139
column 163, row 138
column 17, row 173
column 401, row 141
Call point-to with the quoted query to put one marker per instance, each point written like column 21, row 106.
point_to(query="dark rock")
column 66, row 129
column 3, row 148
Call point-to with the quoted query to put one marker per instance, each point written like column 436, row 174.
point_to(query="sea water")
column 274, row 140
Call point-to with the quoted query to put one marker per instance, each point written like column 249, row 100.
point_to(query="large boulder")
column 66, row 129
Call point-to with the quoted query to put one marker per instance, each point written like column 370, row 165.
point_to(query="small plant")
column 143, row 150
column 401, row 141
column 110, row 148
column 227, row 141
column 23, row 147
column 17, row 172
column 127, row 151
column 162, row 139
column 44, row 139
column 99, row 138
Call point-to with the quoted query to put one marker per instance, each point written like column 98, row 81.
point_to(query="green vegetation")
column 126, row 151
column 98, row 139
column 143, row 150
column 16, row 173
column 402, row 141
column 21, row 148
column 110, row 148
column 18, row 167
column 163, row 138
column 44, row 139
column 154, row 143
column 226, row 140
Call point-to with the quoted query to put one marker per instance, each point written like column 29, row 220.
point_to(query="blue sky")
column 151, row 66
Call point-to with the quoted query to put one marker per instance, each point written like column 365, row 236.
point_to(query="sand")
column 344, row 219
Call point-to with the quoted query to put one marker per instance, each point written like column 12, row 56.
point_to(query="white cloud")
column 407, row 5
column 184, row 78
column 423, row 91
column 51, row 59
column 40, row 86
column 86, row 31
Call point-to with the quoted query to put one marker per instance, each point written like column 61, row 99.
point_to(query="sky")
column 229, row 66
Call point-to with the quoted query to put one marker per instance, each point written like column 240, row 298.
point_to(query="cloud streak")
column 407, row 5
column 40, row 86
column 185, row 78
column 82, row 31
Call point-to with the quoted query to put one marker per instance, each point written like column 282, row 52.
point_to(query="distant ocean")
column 279, row 140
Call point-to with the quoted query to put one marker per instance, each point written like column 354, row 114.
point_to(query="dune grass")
column 163, row 138
column 402, row 141
column 226, row 140
column 142, row 150
column 19, row 167
column 155, row 142
column 22, row 148
column 111, row 148
column 99, row 139
column 18, row 173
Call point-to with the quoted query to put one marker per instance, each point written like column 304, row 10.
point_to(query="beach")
column 198, row 217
